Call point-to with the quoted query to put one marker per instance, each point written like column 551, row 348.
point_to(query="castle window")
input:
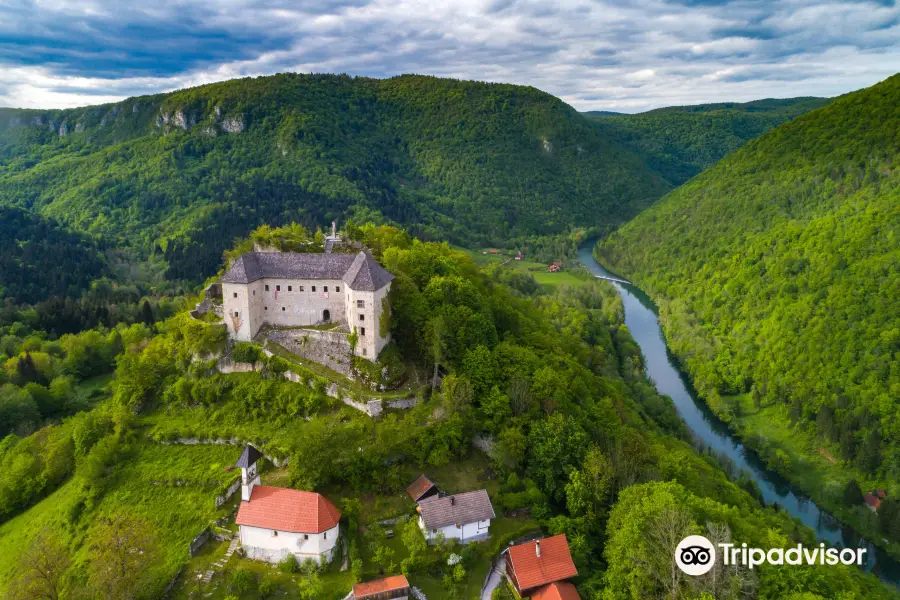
column 325, row 289
column 290, row 288
column 267, row 287
column 305, row 536
column 277, row 288
column 362, row 331
column 274, row 534
column 237, row 314
column 362, row 317
column 313, row 288
column 337, row 288
column 265, row 308
column 360, row 304
column 235, row 294
column 282, row 309
column 365, row 351
column 301, row 288
column 325, row 536
column 254, row 292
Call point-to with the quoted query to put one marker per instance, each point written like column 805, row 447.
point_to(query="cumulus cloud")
column 595, row 54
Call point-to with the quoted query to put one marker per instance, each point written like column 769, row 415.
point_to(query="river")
column 641, row 320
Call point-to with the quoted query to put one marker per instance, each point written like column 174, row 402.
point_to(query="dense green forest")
column 180, row 176
column 581, row 439
column 39, row 259
column 777, row 272
column 680, row 141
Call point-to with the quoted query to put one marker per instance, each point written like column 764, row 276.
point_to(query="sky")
column 627, row 56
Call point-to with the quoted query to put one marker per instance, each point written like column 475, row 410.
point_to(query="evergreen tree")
column 869, row 457
column 889, row 517
column 147, row 313
column 853, row 495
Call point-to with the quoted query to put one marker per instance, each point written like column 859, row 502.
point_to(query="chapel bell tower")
column 248, row 463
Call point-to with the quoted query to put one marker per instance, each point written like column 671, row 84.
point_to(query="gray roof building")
column 248, row 457
column 458, row 509
column 359, row 271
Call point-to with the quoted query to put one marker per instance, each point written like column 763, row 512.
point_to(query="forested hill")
column 38, row 258
column 184, row 174
column 680, row 141
column 778, row 270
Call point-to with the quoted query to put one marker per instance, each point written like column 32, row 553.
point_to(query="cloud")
column 594, row 54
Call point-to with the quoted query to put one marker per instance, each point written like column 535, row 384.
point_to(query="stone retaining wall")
column 223, row 498
column 198, row 542
column 329, row 348
column 371, row 406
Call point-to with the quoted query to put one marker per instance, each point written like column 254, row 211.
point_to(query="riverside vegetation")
column 581, row 437
column 777, row 274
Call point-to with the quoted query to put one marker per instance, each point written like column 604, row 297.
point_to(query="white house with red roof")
column 275, row 522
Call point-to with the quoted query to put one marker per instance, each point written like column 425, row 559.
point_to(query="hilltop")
column 680, row 141
column 179, row 176
column 777, row 272
column 579, row 443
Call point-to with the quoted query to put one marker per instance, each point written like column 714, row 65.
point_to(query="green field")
column 572, row 274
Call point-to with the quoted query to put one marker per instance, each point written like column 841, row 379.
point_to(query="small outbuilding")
column 389, row 588
column 421, row 488
column 558, row 590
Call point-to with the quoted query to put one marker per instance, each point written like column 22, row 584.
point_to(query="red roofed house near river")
column 275, row 522
column 538, row 569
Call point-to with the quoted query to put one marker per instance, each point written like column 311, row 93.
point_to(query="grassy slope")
column 779, row 267
column 680, row 141
column 143, row 485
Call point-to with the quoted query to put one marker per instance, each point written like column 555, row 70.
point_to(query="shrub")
column 242, row 581
column 289, row 564
column 245, row 353
column 267, row 587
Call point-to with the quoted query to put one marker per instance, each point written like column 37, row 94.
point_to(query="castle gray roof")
column 366, row 274
column 459, row 509
column 359, row 271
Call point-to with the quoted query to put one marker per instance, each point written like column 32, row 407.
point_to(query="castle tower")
column 249, row 471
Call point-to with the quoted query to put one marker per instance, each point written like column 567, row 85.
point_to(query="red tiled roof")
column 873, row 500
column 554, row 563
column 283, row 509
column 418, row 487
column 388, row 584
column 558, row 590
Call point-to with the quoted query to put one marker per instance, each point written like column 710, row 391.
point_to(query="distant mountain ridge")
column 678, row 142
column 183, row 174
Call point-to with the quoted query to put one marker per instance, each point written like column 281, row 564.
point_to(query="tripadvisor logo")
column 696, row 555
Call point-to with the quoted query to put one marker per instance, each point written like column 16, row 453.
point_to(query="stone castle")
column 292, row 289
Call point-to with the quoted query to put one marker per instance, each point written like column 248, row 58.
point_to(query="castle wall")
column 296, row 302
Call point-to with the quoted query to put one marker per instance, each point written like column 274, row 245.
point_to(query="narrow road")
column 494, row 578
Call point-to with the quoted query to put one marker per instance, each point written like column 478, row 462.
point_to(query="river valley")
column 641, row 320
